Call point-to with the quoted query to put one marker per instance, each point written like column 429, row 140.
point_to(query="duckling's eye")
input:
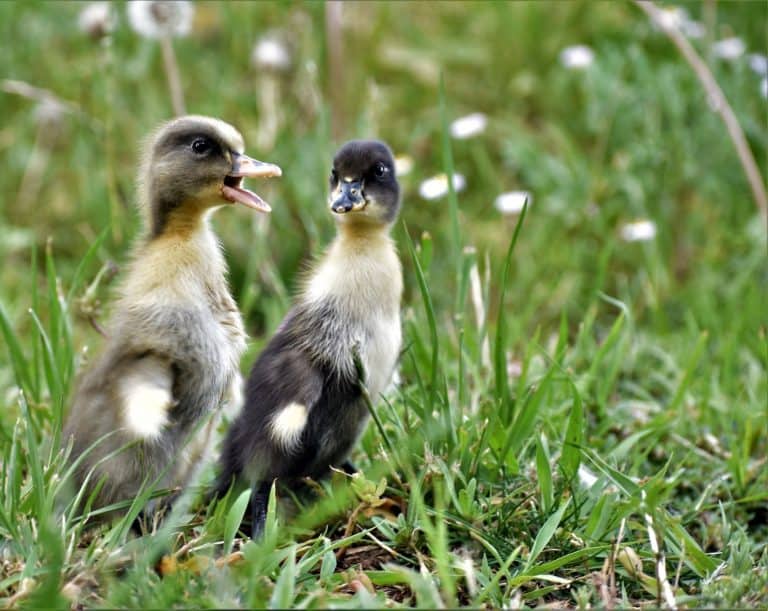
column 380, row 170
column 201, row 146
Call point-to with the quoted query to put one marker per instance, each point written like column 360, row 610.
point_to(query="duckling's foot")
column 348, row 467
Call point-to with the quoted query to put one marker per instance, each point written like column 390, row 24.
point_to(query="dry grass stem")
column 719, row 101
column 334, row 39
column 173, row 75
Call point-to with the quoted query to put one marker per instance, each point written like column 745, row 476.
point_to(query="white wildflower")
column 403, row 165
column 586, row 477
column 764, row 88
column 97, row 19
column 161, row 18
column 729, row 48
column 577, row 57
column 512, row 202
column 514, row 368
column 676, row 18
column 469, row 126
column 437, row 186
column 271, row 53
column 50, row 112
column 672, row 17
column 638, row 231
column 693, row 29
column 758, row 63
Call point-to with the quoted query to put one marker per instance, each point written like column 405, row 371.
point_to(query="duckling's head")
column 364, row 189
column 193, row 164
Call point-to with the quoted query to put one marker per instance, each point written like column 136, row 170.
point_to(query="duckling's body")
column 144, row 413
column 304, row 408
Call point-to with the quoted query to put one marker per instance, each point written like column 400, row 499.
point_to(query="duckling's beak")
column 246, row 167
column 348, row 197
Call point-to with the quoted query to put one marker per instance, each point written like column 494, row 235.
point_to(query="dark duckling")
column 304, row 408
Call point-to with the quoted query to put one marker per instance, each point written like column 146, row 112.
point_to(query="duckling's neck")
column 360, row 268
column 178, row 222
column 362, row 233
column 179, row 266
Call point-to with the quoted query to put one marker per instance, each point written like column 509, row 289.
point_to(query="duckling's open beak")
column 246, row 167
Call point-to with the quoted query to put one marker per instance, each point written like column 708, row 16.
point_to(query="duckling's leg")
column 153, row 514
column 259, row 503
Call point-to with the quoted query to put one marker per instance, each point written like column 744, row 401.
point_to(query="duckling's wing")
column 282, row 388
column 145, row 394
column 283, row 374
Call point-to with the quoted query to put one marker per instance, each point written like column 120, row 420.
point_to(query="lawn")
column 581, row 411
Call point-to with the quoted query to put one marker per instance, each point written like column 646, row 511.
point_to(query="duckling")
column 145, row 411
column 304, row 408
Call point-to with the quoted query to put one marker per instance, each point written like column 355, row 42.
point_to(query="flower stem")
column 174, row 78
column 720, row 103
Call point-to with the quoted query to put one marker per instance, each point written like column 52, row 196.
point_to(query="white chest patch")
column 361, row 275
column 288, row 423
column 380, row 353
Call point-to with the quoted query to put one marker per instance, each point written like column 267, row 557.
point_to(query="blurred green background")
column 629, row 136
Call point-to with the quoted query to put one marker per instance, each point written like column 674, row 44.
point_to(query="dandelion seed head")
column 271, row 53
column 512, row 202
column 729, row 48
column 469, row 126
column 577, row 57
column 638, row 231
column 403, row 165
column 437, row 186
column 97, row 19
column 161, row 18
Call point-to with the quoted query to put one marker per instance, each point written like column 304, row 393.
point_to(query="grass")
column 575, row 414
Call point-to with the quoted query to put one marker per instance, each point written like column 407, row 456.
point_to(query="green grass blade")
column 429, row 311
column 546, row 532
column 682, row 387
column 544, row 475
column 18, row 362
column 235, row 518
column 500, row 359
column 85, row 261
column 574, row 437
column 52, row 373
column 285, row 590
column 448, row 167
